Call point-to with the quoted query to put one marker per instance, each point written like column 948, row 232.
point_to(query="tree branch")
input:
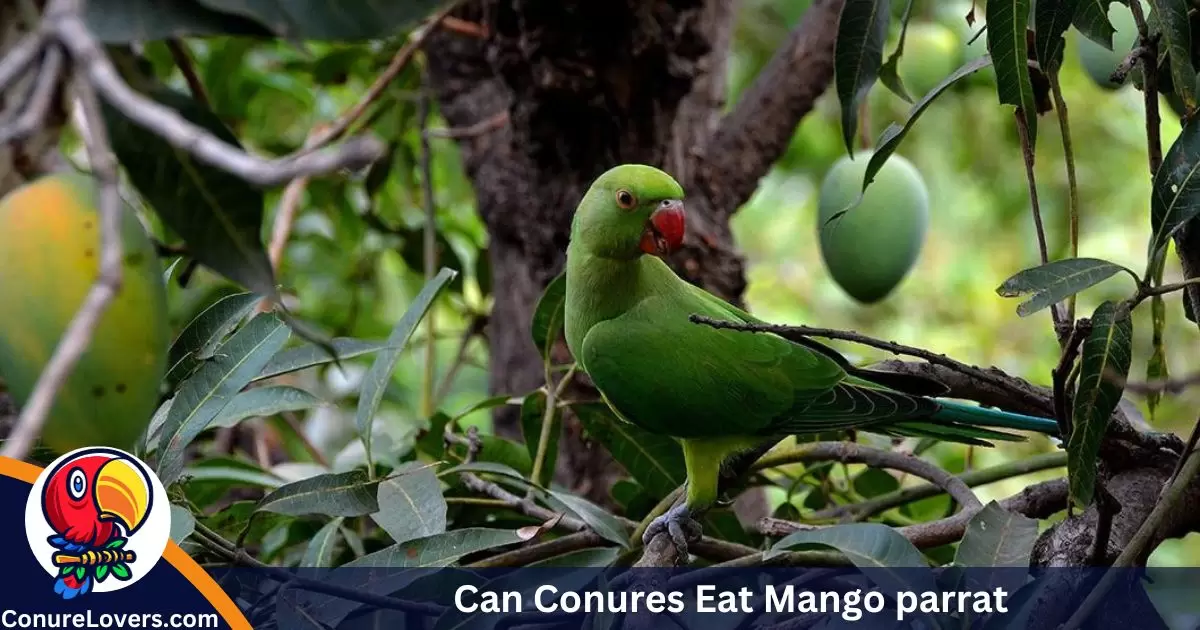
column 751, row 137
column 41, row 98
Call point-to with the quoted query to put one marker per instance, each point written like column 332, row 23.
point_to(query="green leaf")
column 440, row 550
column 182, row 523
column 124, row 21
column 1175, row 197
column 120, row 571
column 857, row 55
column 1177, row 42
column 1009, row 48
column 350, row 493
column 64, row 571
column 549, row 315
column 1105, row 357
column 996, row 537
column 219, row 215
column 346, row 20
column 590, row 557
column 377, row 378
column 1050, row 22
column 204, row 394
column 320, row 550
column 483, row 467
column 655, row 461
column 200, row 338
column 873, row 482
column 596, row 517
column 533, row 410
column 411, row 503
column 311, row 355
column 501, row 451
column 154, row 429
column 80, row 571
column 889, row 72
column 101, row 572
column 891, row 137
column 116, row 543
column 874, row 548
column 1056, row 281
column 264, row 401
column 1091, row 19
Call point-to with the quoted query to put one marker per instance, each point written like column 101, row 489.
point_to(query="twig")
column 473, row 329
column 974, row 478
column 1149, row 57
column 547, row 430
column 1126, row 66
column 1106, row 508
column 472, row 29
column 533, row 553
column 1164, row 386
column 1064, row 124
column 431, row 255
column 851, row 452
column 1036, row 501
column 1031, row 180
column 800, row 333
column 1061, row 372
column 78, row 335
column 312, row 450
column 20, row 57
column 491, row 123
column 183, row 61
column 41, row 97
column 399, row 61
column 1138, row 546
column 89, row 58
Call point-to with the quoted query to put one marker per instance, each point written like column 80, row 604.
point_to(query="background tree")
column 420, row 207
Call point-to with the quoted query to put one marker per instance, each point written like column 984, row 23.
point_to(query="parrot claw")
column 679, row 525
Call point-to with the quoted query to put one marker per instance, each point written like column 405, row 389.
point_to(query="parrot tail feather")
column 976, row 416
column 70, row 587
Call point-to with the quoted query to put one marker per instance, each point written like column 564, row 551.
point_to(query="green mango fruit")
column 872, row 246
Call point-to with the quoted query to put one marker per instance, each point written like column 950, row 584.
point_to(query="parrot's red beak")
column 665, row 229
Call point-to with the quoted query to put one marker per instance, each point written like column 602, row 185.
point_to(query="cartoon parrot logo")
column 95, row 501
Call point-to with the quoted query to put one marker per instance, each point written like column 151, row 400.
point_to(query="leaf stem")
column 1064, row 124
column 430, row 251
column 1027, row 153
column 552, row 394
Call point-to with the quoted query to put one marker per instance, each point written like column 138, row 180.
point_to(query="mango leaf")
column 291, row 611
column 891, row 137
column 655, row 461
column 1091, row 19
column 857, row 56
column 1050, row 22
column 997, row 538
column 876, row 549
column 889, row 72
column 1175, row 196
column 182, row 523
column 411, row 504
column 591, row 557
column 549, row 315
column 322, row 547
column 596, row 517
column 1009, row 48
column 203, row 395
column 197, row 341
column 501, row 451
column 345, row 20
column 1105, row 356
column 483, row 467
column 350, row 493
column 1056, row 281
column 1177, row 42
column 124, row 21
column 377, row 378
column 311, row 355
column 264, row 401
column 219, row 215
column 533, row 412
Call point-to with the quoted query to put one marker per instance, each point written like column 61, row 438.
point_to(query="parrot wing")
column 668, row 375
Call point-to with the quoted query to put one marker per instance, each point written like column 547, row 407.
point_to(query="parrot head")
column 631, row 210
column 87, row 497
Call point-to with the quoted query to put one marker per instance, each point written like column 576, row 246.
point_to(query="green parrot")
column 723, row 394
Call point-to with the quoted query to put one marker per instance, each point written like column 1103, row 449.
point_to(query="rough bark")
column 589, row 85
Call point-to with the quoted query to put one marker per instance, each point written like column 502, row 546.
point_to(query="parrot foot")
column 679, row 525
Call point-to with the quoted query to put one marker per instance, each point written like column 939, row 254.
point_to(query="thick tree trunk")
column 586, row 86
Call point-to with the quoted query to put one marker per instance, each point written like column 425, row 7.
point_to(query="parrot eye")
column 626, row 200
column 76, row 484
